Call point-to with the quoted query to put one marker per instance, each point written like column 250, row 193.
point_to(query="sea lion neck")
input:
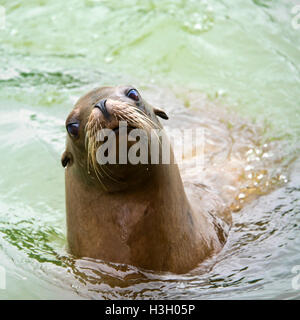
column 134, row 226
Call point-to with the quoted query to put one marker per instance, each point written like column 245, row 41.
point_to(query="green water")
column 245, row 54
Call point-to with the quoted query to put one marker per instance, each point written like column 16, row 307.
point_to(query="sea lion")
column 136, row 214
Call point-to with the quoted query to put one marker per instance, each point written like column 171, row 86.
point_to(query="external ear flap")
column 66, row 159
column 160, row 113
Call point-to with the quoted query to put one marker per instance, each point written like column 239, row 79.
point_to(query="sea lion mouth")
column 112, row 115
column 116, row 130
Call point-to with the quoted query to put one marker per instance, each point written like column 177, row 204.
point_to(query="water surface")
column 233, row 62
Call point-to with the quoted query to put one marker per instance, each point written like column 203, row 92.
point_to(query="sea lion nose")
column 102, row 106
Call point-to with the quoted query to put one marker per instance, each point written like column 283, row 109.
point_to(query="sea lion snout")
column 107, row 113
column 102, row 106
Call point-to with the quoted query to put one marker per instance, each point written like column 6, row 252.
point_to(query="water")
column 203, row 61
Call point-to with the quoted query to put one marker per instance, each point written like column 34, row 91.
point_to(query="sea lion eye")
column 133, row 94
column 73, row 129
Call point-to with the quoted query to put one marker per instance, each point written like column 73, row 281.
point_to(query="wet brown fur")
column 133, row 214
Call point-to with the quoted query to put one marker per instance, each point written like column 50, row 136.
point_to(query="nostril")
column 103, row 103
column 102, row 106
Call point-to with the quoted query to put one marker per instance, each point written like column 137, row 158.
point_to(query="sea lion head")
column 103, row 110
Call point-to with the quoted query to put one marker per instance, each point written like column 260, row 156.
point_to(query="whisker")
column 121, row 111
